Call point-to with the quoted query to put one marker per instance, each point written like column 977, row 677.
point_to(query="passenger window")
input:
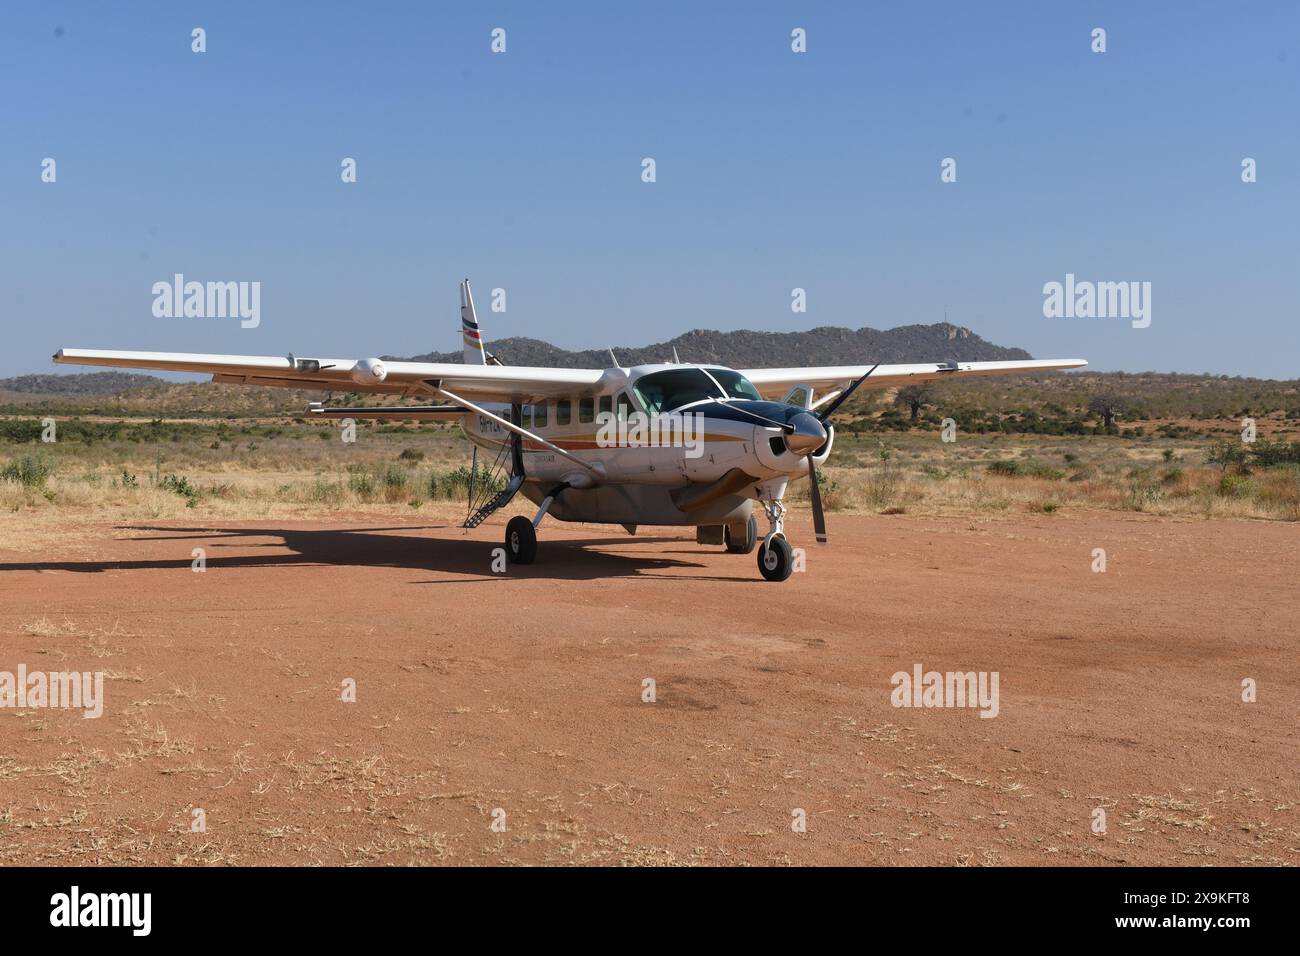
column 586, row 409
column 606, row 404
column 539, row 416
column 527, row 417
column 624, row 405
column 562, row 412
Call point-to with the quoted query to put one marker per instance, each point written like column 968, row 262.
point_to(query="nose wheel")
column 776, row 559
column 775, row 556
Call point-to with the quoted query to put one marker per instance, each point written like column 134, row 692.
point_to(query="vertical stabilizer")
column 474, row 354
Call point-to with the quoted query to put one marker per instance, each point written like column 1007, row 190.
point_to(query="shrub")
column 325, row 492
column 361, row 484
column 1142, row 490
column 1232, row 486
column 1025, row 469
column 30, row 471
column 455, row 484
column 1270, row 454
column 181, row 486
column 1228, row 454
column 394, row 479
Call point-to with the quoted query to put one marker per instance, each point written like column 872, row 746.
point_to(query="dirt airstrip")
column 501, row 718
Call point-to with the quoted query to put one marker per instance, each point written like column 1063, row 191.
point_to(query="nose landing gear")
column 775, row 556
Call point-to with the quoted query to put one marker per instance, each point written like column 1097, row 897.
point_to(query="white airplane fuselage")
column 695, row 445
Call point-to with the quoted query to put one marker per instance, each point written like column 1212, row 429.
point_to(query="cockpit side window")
column 735, row 384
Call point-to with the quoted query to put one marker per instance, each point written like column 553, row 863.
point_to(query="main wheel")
column 776, row 559
column 742, row 545
column 521, row 540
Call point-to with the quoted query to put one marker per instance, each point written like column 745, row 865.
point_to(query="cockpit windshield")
column 671, row 389
column 665, row 391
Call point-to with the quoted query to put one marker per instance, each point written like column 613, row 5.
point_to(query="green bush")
column 181, row 486
column 1233, row 486
column 455, row 484
column 30, row 471
column 1025, row 469
column 361, row 484
column 1270, row 454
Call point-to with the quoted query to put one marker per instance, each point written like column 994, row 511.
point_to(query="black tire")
column 776, row 559
column 521, row 540
column 750, row 541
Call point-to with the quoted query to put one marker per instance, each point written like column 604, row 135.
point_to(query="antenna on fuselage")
column 676, row 360
column 613, row 358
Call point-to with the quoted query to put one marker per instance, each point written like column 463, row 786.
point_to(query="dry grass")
column 296, row 474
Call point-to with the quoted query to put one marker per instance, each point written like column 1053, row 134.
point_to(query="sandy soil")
column 522, row 692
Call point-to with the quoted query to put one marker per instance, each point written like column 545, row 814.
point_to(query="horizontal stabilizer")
column 393, row 412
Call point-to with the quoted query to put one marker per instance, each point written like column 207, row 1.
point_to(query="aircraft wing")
column 776, row 382
column 484, row 383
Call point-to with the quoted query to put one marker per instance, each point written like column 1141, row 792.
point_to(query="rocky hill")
column 941, row 342
column 85, row 383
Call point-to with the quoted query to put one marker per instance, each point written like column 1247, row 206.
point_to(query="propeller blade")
column 840, row 399
column 819, row 517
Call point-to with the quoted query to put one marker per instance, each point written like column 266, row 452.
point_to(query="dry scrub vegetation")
column 159, row 469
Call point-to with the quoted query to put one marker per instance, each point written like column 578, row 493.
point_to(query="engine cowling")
column 369, row 371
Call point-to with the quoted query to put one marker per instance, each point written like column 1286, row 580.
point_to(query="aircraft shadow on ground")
column 563, row 559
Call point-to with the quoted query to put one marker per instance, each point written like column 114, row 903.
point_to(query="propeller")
column 843, row 396
column 822, row 424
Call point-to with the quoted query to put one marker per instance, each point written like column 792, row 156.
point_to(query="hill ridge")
column 747, row 348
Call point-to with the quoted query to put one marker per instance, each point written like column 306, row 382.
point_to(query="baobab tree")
column 914, row 397
column 1107, row 406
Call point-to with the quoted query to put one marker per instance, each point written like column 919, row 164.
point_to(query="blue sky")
column 775, row 170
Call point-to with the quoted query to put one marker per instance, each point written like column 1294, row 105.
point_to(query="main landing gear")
column 741, row 543
column 521, row 540
column 521, row 534
column 775, row 556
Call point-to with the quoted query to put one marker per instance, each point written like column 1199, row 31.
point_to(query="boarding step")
column 496, row 504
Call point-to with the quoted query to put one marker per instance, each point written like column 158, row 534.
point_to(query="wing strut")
column 510, row 426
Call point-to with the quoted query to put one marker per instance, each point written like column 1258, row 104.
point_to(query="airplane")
column 676, row 444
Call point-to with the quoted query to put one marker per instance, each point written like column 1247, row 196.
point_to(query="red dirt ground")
column 523, row 691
